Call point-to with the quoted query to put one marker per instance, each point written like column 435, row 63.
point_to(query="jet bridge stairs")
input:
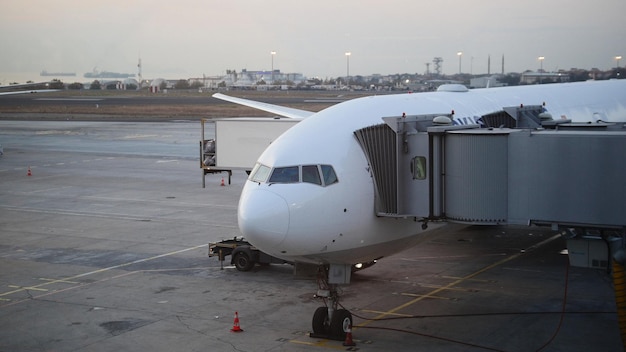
column 519, row 167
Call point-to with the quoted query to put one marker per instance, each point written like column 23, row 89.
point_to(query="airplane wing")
column 275, row 109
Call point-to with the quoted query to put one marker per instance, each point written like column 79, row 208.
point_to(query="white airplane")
column 29, row 91
column 24, row 88
column 310, row 198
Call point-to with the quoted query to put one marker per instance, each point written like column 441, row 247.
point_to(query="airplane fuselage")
column 334, row 220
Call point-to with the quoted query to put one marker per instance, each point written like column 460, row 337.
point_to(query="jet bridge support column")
column 436, row 170
column 618, row 261
column 619, row 285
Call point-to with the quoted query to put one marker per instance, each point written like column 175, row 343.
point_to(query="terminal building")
column 531, row 77
column 250, row 79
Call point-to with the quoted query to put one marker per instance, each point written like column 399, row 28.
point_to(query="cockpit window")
column 289, row 174
column 329, row 175
column 259, row 173
column 311, row 174
column 321, row 175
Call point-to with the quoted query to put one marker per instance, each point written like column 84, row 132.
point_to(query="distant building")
column 530, row 77
column 159, row 83
column 486, row 81
column 252, row 79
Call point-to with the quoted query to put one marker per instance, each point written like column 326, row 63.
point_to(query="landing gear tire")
column 243, row 262
column 341, row 322
column 320, row 321
column 330, row 322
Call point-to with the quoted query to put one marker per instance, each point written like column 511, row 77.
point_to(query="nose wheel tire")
column 340, row 323
column 320, row 321
column 336, row 328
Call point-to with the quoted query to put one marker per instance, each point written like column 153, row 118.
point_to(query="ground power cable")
column 562, row 312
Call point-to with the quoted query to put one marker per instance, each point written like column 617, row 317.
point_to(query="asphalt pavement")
column 104, row 229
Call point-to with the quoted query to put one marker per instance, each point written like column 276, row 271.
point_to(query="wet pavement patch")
column 119, row 327
column 165, row 289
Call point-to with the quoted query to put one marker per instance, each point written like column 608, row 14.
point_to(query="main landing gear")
column 330, row 321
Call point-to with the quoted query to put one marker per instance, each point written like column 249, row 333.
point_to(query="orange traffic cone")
column 236, row 327
column 222, row 182
column 29, row 173
column 348, row 341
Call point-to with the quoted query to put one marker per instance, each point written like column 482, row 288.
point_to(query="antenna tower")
column 437, row 61
column 139, row 74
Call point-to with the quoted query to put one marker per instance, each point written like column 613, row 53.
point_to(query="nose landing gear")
column 330, row 321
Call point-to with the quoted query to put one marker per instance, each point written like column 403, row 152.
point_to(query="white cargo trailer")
column 237, row 143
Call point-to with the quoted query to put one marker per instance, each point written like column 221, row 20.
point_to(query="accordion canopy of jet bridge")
column 562, row 175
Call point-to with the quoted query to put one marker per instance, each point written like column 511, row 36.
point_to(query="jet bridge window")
column 418, row 168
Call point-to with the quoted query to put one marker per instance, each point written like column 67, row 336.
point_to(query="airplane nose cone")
column 263, row 218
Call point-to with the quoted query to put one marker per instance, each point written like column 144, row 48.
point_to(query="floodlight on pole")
column 348, row 54
column 617, row 58
column 541, row 58
column 272, row 73
column 460, row 55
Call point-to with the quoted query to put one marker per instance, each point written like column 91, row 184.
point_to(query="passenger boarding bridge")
column 520, row 167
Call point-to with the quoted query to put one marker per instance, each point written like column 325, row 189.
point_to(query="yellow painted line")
column 456, row 278
column 11, row 292
column 379, row 312
column 136, row 262
column 451, row 257
column 128, row 273
column 460, row 280
column 57, row 280
column 38, row 287
column 428, row 295
column 459, row 289
column 69, row 288
column 320, row 343
column 28, row 288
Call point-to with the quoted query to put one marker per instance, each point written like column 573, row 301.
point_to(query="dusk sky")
column 189, row 38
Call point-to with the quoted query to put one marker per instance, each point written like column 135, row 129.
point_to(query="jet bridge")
column 519, row 167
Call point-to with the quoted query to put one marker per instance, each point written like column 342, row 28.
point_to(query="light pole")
column 272, row 73
column 460, row 54
column 617, row 58
column 541, row 58
column 348, row 68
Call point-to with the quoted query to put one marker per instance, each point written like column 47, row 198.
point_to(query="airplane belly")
column 398, row 236
column 341, row 227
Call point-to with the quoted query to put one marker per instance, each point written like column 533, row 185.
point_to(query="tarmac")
column 104, row 232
